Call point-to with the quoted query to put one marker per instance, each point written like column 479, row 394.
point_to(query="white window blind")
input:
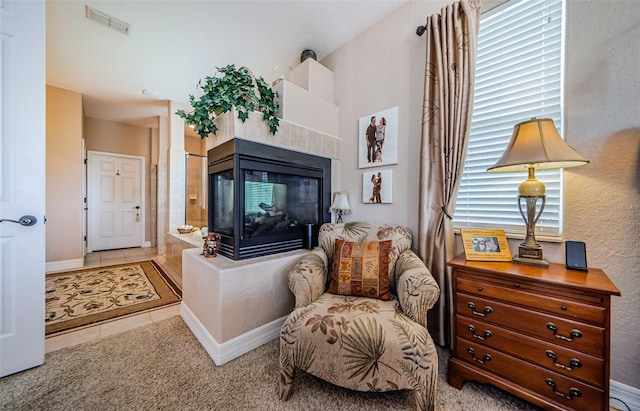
column 518, row 76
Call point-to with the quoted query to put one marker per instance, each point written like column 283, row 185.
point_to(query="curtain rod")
column 420, row 30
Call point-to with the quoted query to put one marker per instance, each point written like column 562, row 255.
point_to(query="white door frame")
column 85, row 206
column 90, row 154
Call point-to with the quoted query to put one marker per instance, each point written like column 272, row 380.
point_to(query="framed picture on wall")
column 377, row 187
column 378, row 138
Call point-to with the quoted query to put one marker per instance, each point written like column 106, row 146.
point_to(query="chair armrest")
column 308, row 278
column 415, row 286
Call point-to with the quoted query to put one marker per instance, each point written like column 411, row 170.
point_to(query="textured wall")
column 602, row 97
column 64, row 175
column 602, row 199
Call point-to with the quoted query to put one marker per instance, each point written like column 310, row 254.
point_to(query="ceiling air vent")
column 106, row 20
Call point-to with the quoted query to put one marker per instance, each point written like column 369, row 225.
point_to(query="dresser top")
column 594, row 280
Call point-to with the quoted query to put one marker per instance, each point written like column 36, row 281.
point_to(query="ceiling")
column 173, row 43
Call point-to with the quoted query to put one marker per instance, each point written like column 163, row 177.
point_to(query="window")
column 518, row 76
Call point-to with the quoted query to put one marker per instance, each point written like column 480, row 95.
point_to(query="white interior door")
column 115, row 198
column 22, row 184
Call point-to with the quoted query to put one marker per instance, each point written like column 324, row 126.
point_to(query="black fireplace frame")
column 238, row 155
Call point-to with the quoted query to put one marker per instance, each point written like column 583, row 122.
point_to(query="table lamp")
column 535, row 144
column 340, row 205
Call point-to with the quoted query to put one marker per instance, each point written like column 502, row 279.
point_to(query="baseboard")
column 51, row 266
column 625, row 393
column 146, row 244
column 242, row 344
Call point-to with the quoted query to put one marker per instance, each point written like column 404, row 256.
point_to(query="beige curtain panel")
column 451, row 45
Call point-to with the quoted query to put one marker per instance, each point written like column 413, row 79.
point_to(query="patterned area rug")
column 76, row 299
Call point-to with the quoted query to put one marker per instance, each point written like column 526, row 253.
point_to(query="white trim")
column 235, row 347
column 146, row 244
column 51, row 266
column 626, row 393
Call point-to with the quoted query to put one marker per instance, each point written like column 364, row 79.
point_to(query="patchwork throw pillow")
column 361, row 269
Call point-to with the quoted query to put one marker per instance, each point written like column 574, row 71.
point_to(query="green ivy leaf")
column 231, row 87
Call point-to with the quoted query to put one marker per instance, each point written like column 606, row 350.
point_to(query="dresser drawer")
column 567, row 333
column 567, row 362
column 511, row 292
column 567, row 392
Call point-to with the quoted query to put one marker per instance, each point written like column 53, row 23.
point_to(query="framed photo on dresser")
column 485, row 245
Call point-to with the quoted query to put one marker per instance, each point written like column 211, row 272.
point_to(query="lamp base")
column 530, row 255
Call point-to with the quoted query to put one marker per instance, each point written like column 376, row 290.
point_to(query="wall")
column 602, row 199
column 384, row 66
column 64, row 177
column 196, row 182
column 112, row 137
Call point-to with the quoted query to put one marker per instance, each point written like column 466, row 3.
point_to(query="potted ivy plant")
column 231, row 87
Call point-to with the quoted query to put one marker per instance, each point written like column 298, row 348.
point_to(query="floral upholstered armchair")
column 361, row 301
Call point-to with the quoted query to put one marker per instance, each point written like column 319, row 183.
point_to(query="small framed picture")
column 378, row 138
column 377, row 187
column 485, row 245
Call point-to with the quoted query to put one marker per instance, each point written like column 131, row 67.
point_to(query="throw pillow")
column 361, row 269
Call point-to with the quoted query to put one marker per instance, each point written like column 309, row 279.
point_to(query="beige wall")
column 383, row 67
column 119, row 138
column 602, row 199
column 601, row 121
column 64, row 175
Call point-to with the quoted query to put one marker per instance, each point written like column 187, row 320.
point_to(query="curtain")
column 452, row 37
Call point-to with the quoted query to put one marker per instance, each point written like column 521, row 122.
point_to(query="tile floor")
column 111, row 257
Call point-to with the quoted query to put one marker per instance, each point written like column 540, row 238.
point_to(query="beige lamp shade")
column 341, row 202
column 536, row 144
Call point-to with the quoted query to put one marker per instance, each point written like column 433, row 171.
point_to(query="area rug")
column 80, row 298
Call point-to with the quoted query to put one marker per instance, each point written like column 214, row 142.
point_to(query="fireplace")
column 265, row 199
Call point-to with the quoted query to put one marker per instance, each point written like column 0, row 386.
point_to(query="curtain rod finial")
column 420, row 30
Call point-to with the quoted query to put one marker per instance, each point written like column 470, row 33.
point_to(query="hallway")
column 94, row 332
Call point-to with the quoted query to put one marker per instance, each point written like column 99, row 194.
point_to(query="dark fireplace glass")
column 277, row 203
column 223, row 199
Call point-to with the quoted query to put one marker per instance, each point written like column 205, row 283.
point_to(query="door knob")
column 136, row 207
column 25, row 220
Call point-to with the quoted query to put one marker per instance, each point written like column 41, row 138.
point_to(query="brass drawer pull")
column 484, row 312
column 485, row 358
column 573, row 363
column 573, row 334
column 482, row 337
column 573, row 392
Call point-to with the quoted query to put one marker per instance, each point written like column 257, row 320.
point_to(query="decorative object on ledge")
column 233, row 87
column 535, row 144
column 185, row 229
column 281, row 70
column 308, row 54
column 211, row 245
column 340, row 205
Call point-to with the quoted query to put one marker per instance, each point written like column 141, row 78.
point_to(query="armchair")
column 364, row 343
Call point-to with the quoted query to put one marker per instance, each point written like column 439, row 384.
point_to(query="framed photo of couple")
column 378, row 138
column 485, row 245
column 377, row 187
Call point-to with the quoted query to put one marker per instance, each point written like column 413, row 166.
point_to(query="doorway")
column 115, row 201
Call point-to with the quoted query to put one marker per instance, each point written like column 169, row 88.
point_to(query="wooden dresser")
column 539, row 333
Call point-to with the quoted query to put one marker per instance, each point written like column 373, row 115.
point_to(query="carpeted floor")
column 163, row 367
